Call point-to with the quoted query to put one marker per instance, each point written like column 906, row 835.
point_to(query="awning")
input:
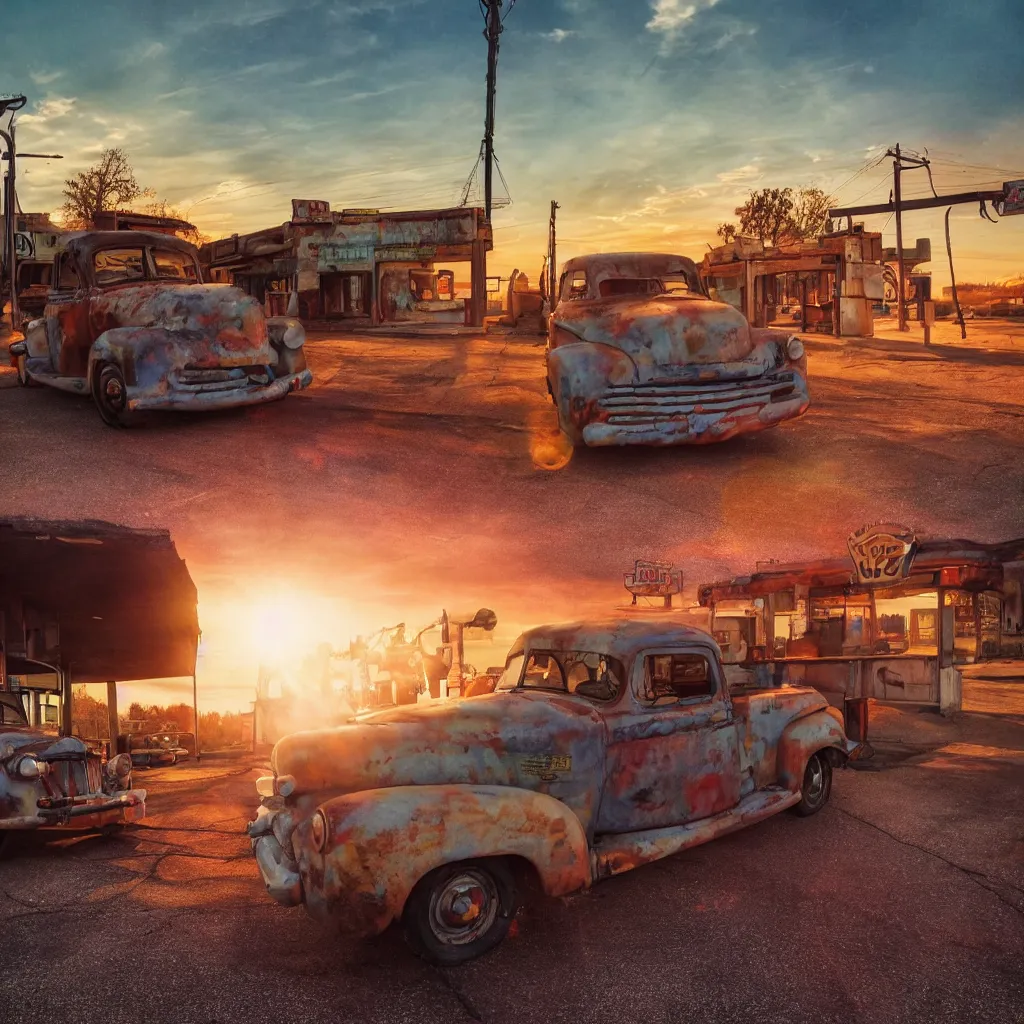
column 123, row 601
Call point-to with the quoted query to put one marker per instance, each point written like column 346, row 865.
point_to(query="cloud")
column 44, row 77
column 558, row 35
column 737, row 31
column 50, row 109
column 748, row 172
column 672, row 16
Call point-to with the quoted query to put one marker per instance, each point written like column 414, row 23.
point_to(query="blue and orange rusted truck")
column 606, row 745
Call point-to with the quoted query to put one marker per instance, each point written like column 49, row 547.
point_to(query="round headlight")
column 795, row 349
column 318, row 831
column 30, row 768
column 295, row 336
column 120, row 767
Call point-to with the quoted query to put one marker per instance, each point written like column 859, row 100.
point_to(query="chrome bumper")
column 94, row 812
column 663, row 415
column 229, row 398
column 277, row 865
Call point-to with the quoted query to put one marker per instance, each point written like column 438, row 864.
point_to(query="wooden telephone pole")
column 491, row 33
column 897, row 167
column 552, row 269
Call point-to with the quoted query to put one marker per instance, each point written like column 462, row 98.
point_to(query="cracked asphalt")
column 902, row 901
column 407, row 478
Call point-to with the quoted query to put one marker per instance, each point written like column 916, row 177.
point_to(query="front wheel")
column 460, row 911
column 110, row 392
column 817, row 785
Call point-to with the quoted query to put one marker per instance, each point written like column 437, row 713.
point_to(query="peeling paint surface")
column 578, row 774
column 47, row 781
column 178, row 344
column 637, row 353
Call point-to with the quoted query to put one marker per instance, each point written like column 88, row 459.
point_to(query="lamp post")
column 12, row 103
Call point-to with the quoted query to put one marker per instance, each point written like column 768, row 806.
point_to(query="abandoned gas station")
column 834, row 282
column 892, row 621
column 360, row 266
column 90, row 602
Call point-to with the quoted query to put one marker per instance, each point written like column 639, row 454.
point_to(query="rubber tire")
column 23, row 378
column 416, row 916
column 104, row 373
column 811, row 804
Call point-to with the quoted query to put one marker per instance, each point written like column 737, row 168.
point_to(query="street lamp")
column 11, row 103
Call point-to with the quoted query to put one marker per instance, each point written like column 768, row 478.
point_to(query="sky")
column 647, row 120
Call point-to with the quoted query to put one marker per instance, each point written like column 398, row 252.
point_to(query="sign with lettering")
column 653, row 579
column 335, row 254
column 310, row 211
column 882, row 553
column 406, row 253
column 1013, row 198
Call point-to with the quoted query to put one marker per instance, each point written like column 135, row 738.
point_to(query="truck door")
column 673, row 753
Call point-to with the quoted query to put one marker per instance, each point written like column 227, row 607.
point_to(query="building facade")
column 360, row 265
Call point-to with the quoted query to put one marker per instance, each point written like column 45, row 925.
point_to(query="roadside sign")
column 1013, row 198
column 653, row 579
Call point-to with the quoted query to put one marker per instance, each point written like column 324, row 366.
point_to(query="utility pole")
column 552, row 269
column 491, row 33
column 897, row 167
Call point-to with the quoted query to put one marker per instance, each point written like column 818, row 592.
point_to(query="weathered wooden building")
column 360, row 265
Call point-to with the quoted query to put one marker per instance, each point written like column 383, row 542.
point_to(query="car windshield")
column 667, row 284
column 585, row 673
column 112, row 266
column 12, row 711
column 174, row 266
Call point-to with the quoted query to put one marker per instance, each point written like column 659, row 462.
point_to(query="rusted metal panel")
column 175, row 342
column 381, row 842
column 637, row 353
column 50, row 782
column 589, row 758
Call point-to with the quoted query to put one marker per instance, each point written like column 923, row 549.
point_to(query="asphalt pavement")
column 902, row 901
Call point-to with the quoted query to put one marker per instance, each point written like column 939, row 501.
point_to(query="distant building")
column 360, row 265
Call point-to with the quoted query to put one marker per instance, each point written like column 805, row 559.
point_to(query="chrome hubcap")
column 814, row 783
column 464, row 908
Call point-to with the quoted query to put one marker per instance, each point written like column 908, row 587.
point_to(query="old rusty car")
column 129, row 322
column 604, row 746
column 50, row 781
column 638, row 353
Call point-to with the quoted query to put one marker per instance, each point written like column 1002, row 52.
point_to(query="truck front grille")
column 661, row 400
column 226, row 378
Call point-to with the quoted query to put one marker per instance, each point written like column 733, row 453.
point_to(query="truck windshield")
column 586, row 673
column 12, row 711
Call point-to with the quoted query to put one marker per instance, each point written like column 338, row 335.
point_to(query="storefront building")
column 360, row 265
column 892, row 621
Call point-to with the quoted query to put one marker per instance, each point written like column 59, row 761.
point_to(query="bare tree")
column 810, row 212
column 161, row 208
column 766, row 214
column 726, row 232
column 108, row 185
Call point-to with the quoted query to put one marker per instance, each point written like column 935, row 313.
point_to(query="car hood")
column 230, row 322
column 532, row 740
column 685, row 336
column 26, row 740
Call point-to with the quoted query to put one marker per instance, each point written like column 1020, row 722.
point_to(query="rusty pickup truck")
column 638, row 353
column 129, row 321
column 604, row 746
column 48, row 781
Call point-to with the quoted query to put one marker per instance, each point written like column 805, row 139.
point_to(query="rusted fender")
column 381, row 842
column 820, row 730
